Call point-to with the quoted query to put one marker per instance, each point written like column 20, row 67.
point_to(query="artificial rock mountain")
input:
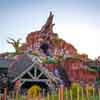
column 47, row 45
column 55, row 45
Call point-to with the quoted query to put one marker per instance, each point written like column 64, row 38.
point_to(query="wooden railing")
column 62, row 93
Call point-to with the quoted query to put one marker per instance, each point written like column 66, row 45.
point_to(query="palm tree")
column 15, row 44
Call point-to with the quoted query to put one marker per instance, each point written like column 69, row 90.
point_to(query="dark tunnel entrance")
column 44, row 87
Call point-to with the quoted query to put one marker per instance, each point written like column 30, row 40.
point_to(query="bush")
column 74, row 88
column 34, row 91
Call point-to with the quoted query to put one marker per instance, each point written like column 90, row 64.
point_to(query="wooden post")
column 17, row 94
column 66, row 94
column 93, row 93
column 9, row 97
column 71, row 98
column 43, row 93
column 82, row 93
column 13, row 95
column 87, row 93
column 39, row 96
column 0, row 97
column 27, row 97
column 99, row 93
column 59, row 96
column 5, row 94
column 78, row 93
column 53, row 97
column 17, row 88
column 21, row 97
column 62, row 92
column 48, row 96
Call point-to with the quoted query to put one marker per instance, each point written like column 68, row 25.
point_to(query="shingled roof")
column 19, row 66
column 4, row 63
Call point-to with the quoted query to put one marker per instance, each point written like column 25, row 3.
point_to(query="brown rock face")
column 56, row 46
column 76, row 71
column 48, row 45
column 48, row 26
column 32, row 38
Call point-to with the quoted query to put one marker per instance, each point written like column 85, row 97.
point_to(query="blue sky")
column 77, row 21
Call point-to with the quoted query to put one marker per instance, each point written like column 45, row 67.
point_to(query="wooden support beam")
column 22, row 83
column 30, row 80
column 22, row 74
column 39, row 75
column 31, row 75
column 35, row 72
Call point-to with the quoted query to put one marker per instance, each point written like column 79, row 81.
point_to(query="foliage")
column 74, row 89
column 76, row 86
column 98, row 81
column 90, row 90
column 50, row 61
column 91, row 69
column 34, row 53
column 34, row 91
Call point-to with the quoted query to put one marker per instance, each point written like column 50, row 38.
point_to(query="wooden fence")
column 61, row 94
